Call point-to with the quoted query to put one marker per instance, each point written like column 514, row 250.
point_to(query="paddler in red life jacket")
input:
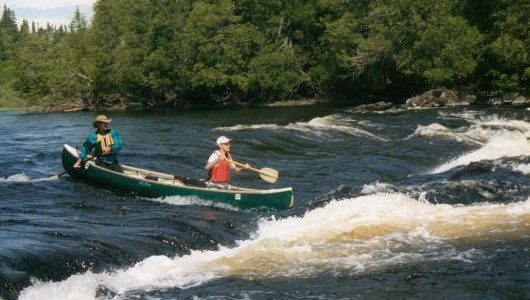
column 106, row 143
column 217, row 166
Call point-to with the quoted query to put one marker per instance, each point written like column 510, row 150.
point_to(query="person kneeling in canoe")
column 106, row 143
column 218, row 166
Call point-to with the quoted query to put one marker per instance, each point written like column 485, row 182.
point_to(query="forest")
column 181, row 53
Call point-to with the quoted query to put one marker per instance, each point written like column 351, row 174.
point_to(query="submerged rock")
column 509, row 98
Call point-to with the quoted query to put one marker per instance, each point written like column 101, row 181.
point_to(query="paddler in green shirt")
column 106, row 143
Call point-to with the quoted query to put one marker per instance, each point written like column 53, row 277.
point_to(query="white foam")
column 76, row 287
column 475, row 135
column 362, row 234
column 25, row 178
column 503, row 144
column 16, row 178
column 319, row 126
column 191, row 200
column 272, row 127
column 377, row 187
column 494, row 121
column 523, row 168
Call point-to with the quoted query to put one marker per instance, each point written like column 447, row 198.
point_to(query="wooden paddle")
column 267, row 174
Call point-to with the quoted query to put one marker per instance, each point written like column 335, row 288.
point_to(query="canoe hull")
column 155, row 184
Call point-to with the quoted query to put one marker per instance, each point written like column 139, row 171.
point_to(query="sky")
column 42, row 12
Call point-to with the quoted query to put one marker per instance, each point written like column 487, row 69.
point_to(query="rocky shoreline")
column 443, row 97
column 435, row 98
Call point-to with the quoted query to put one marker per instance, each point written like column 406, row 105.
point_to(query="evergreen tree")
column 167, row 52
column 8, row 34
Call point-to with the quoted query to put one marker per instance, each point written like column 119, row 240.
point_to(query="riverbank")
column 8, row 99
column 440, row 97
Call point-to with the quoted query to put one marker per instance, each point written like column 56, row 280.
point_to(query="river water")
column 416, row 204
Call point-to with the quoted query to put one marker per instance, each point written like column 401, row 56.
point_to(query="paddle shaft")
column 72, row 168
column 267, row 174
column 244, row 165
column 61, row 174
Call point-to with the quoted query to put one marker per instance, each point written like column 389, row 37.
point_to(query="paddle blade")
column 59, row 175
column 268, row 174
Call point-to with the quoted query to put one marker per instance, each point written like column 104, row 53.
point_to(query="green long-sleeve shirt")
column 91, row 143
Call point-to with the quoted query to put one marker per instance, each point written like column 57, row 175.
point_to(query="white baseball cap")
column 223, row 140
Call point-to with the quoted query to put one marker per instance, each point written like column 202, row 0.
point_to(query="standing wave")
column 349, row 236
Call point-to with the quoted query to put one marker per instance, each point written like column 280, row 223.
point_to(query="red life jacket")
column 220, row 172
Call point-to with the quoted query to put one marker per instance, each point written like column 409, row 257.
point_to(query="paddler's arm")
column 88, row 145
column 212, row 160
column 239, row 169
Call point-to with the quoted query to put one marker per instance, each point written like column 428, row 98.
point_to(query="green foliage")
column 277, row 73
column 8, row 34
column 209, row 49
column 8, row 99
column 506, row 55
column 34, row 68
column 51, row 65
column 167, row 52
column 411, row 39
column 442, row 56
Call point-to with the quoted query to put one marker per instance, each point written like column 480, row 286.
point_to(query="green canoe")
column 156, row 184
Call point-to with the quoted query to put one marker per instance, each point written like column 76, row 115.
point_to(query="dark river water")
column 423, row 204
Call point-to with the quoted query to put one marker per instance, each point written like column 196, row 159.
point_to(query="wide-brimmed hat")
column 100, row 118
column 223, row 140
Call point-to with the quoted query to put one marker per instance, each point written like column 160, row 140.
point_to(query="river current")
column 428, row 203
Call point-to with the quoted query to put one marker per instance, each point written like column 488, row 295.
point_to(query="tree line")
column 223, row 52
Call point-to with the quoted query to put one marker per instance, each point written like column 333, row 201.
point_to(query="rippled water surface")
column 398, row 205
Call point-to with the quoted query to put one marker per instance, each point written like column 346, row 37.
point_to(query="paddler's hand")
column 77, row 164
column 246, row 166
